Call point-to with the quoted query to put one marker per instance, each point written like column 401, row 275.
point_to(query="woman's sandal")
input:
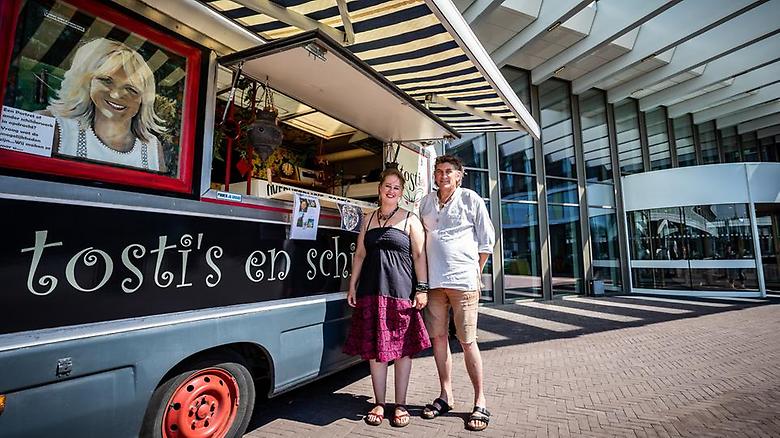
column 433, row 410
column 401, row 417
column 373, row 419
column 478, row 420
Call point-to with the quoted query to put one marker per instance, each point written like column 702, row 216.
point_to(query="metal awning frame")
column 292, row 18
column 457, row 26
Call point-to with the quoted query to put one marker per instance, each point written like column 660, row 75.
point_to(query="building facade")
column 566, row 224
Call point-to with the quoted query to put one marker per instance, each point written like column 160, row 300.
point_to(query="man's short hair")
column 456, row 162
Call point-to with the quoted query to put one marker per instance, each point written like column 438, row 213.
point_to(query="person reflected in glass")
column 738, row 282
column 459, row 240
column 104, row 108
column 388, row 289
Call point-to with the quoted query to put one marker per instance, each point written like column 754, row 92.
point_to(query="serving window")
column 92, row 93
column 315, row 152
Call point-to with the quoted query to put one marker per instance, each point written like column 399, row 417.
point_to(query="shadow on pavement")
column 320, row 404
column 314, row 406
column 564, row 311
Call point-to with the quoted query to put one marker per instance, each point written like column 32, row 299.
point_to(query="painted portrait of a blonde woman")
column 104, row 109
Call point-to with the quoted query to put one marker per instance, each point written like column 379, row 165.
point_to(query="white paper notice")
column 25, row 131
column 306, row 217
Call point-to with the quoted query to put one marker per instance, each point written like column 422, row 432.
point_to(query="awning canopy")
column 433, row 57
column 313, row 68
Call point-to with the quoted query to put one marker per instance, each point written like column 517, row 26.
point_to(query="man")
column 459, row 239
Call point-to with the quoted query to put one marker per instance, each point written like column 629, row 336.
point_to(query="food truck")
column 181, row 183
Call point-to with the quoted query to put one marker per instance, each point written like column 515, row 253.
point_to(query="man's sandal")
column 373, row 419
column 478, row 420
column 401, row 417
column 433, row 410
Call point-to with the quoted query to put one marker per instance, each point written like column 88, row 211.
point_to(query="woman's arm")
column 357, row 264
column 417, row 235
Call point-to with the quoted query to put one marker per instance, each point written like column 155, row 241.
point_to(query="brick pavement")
column 607, row 367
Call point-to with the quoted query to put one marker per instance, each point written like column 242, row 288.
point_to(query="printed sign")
column 159, row 263
column 25, row 131
column 414, row 164
column 351, row 217
column 306, row 217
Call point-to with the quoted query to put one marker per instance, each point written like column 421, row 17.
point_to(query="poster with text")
column 305, row 218
column 414, row 164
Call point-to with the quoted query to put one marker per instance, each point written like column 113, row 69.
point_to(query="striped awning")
column 409, row 45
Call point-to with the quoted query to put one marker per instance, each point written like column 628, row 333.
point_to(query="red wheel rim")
column 204, row 405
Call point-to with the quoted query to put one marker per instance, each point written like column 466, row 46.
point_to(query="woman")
column 105, row 108
column 388, row 289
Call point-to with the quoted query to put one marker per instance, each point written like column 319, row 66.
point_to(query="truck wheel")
column 210, row 399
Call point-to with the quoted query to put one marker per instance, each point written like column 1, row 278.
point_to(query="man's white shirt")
column 455, row 236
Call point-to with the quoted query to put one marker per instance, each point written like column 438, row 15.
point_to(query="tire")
column 200, row 402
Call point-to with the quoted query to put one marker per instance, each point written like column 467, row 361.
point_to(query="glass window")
column 666, row 234
column 749, row 147
column 595, row 138
column 724, row 279
column 472, row 149
column 99, row 95
column 605, row 250
column 703, row 232
column 520, row 82
column 601, row 195
column 730, row 143
column 516, row 152
column 642, row 278
column 658, row 139
column 557, row 137
column 768, row 222
column 522, row 266
column 672, row 278
column 683, row 138
column 486, row 293
column 629, row 147
column 666, row 278
column 719, row 232
column 708, row 142
column 565, row 249
column 769, row 149
column 477, row 180
column 657, row 234
column 562, row 191
column 639, row 234
column 518, row 187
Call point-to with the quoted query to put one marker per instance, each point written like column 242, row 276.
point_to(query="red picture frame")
column 182, row 182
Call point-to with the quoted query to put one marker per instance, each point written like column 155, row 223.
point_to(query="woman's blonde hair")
column 104, row 57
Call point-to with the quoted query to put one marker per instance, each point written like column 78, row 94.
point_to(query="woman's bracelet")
column 422, row 286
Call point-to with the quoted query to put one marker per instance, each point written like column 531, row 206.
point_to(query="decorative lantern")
column 265, row 134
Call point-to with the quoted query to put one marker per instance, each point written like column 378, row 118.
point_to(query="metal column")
column 495, row 216
column 579, row 157
column 541, row 194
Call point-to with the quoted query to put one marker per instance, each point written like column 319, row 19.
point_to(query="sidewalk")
column 582, row 367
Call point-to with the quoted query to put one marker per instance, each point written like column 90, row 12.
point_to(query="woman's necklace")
column 443, row 203
column 381, row 217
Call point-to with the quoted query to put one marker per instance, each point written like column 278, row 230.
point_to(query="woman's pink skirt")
column 386, row 328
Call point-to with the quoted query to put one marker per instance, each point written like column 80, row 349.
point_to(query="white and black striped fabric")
column 404, row 41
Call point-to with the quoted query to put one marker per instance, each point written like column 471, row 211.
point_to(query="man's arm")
column 482, row 260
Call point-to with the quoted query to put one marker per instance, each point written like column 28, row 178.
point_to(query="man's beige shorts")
column 464, row 311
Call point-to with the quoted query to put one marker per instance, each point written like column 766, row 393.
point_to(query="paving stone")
column 698, row 370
